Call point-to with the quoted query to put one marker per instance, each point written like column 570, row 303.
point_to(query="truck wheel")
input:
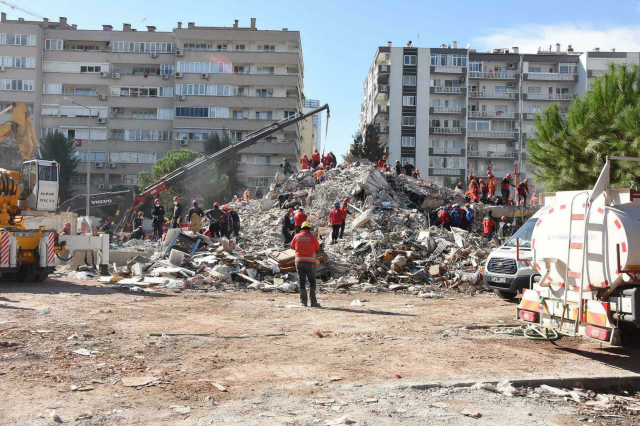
column 506, row 295
column 26, row 274
column 41, row 277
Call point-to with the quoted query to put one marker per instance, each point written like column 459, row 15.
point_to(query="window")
column 534, row 108
column 235, row 136
column 49, row 131
column 266, row 48
column 501, row 89
column 222, row 47
column 534, row 69
column 203, row 89
column 500, row 109
column 447, row 162
column 18, row 62
column 409, row 120
column 240, row 47
column 475, row 66
column 19, row 40
column 52, row 89
column 17, row 85
column 205, row 67
column 264, row 93
column 266, row 70
column 142, row 47
column 90, row 68
column 409, row 80
column 258, row 181
column 96, row 156
column 218, row 112
column 237, row 115
column 264, row 115
column 84, row 48
column 261, row 160
column 534, row 89
column 438, row 59
column 410, row 60
column 165, row 92
column 53, row 44
column 133, row 157
column 409, row 160
column 165, row 114
column 457, row 60
column 202, row 112
column 289, row 114
column 409, row 141
column 409, row 100
column 193, row 136
column 479, row 125
column 195, row 46
column 143, row 135
column 167, row 69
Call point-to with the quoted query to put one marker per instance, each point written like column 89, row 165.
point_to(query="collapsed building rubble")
column 389, row 245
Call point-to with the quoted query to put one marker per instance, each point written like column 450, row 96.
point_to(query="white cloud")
column 529, row 38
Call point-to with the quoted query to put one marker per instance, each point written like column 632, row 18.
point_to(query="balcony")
column 488, row 134
column 446, row 130
column 529, row 115
column 548, row 96
column 444, row 69
column 448, row 90
column 382, row 109
column 383, row 130
column 446, row 151
column 493, row 154
column 446, row 110
column 550, row 76
column 490, row 94
column 382, row 92
column 433, row 171
column 497, row 114
column 491, row 75
column 383, row 74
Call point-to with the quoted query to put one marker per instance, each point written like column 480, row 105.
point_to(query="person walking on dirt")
column 306, row 246
column 158, row 219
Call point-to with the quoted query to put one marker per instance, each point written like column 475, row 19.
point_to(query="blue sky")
column 339, row 38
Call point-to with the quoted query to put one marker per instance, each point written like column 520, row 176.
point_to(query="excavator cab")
column 39, row 186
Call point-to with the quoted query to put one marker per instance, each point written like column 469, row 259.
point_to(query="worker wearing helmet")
column 460, row 186
column 484, row 190
column 335, row 220
column 226, row 223
column 215, row 215
column 444, row 218
column 315, row 158
column 345, row 213
column 505, row 187
column 382, row 163
column 194, row 217
column 306, row 246
column 298, row 219
column 523, row 191
column 286, row 167
column 326, row 161
column 469, row 216
column 176, row 218
column 489, row 225
column 66, row 229
column 492, row 185
column 503, row 230
column 287, row 227
column 158, row 219
column 282, row 198
column 319, row 174
column 259, row 193
column 304, row 161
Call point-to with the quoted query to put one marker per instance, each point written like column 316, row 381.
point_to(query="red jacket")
column 306, row 245
column 505, row 183
column 299, row 218
column 443, row 216
column 315, row 156
column 326, row 160
column 489, row 225
column 335, row 216
column 305, row 163
column 382, row 164
column 345, row 209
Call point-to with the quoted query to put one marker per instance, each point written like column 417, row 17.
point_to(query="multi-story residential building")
column 453, row 111
column 311, row 128
column 134, row 95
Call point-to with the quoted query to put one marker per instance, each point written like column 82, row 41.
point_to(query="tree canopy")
column 366, row 146
column 569, row 149
column 55, row 146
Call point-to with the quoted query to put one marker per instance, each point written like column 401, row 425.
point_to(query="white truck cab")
column 505, row 272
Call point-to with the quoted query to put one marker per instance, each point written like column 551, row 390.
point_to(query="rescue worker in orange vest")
column 335, row 219
column 492, row 185
column 382, row 163
column 315, row 157
column 505, row 189
column 489, row 225
column 460, row 186
column 484, row 190
column 66, row 229
column 473, row 192
column 305, row 162
column 298, row 219
column 306, row 246
column 345, row 213
column 247, row 194
column 319, row 173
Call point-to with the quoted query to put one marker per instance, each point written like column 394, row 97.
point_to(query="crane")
column 16, row 7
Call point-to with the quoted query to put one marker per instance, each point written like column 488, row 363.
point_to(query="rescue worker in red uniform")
column 306, row 246
column 335, row 219
column 66, row 229
column 382, row 163
column 523, row 191
column 489, row 225
column 326, row 161
column 298, row 219
column 315, row 158
column 484, row 190
column 444, row 218
column 505, row 187
column 305, row 162
column 345, row 213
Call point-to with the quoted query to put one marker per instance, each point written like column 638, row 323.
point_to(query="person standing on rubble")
column 444, row 218
column 259, row 193
column 107, row 227
column 306, row 246
column 318, row 174
column 305, row 162
column 484, row 190
column 194, row 217
column 505, row 187
column 326, row 161
column 345, row 213
column 492, row 186
column 382, row 163
column 235, row 218
column 470, row 215
column 335, row 220
column 488, row 225
column 456, row 216
column 298, row 219
column 247, row 194
column 523, row 191
column 315, row 158
column 176, row 219
column 398, row 168
column 408, row 168
column 158, row 219
column 226, row 223
column 334, row 160
column 214, row 215
column 286, row 167
column 287, row 227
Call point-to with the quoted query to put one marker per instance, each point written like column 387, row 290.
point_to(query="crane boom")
column 204, row 162
column 13, row 6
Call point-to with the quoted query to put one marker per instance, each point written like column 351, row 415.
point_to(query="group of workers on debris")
column 400, row 169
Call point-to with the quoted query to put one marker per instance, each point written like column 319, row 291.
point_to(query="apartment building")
column 311, row 128
column 134, row 95
column 452, row 111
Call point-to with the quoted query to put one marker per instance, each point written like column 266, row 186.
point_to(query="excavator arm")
column 20, row 132
column 122, row 199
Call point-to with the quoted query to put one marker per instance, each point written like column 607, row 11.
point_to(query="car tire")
column 506, row 295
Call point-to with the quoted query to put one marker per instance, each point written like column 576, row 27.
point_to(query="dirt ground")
column 324, row 364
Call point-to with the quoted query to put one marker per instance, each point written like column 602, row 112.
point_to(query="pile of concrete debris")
column 389, row 244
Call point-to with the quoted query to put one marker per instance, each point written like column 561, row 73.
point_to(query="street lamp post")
column 88, row 157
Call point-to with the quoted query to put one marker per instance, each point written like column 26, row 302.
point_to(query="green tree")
column 371, row 148
column 55, row 146
column 224, row 182
column 569, row 150
column 356, row 150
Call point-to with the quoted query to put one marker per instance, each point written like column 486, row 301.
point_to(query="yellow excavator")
column 25, row 254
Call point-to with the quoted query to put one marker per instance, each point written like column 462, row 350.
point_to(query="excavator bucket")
column 18, row 140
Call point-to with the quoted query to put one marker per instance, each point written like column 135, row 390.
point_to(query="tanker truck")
column 584, row 256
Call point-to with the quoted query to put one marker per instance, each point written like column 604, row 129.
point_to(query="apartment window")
column 259, row 181
column 46, row 131
column 409, row 80
column 475, row 66
column 501, row 109
column 18, row 40
column 501, row 89
column 205, row 67
column 289, row 114
column 240, row 47
column 261, row 160
column 534, row 69
column 219, row 112
column 90, row 68
column 534, row 108
column 222, row 48
column 143, row 115
column 264, row 115
column 167, row 69
column 479, row 125
column 438, row 59
column 133, row 157
column 409, row 160
column 266, row 48
column 18, row 62
column 96, row 156
column 142, row 47
column 409, row 141
column 193, row 136
column 197, row 47
column 410, row 60
column 447, row 162
column 237, row 115
column 52, row 89
column 408, row 120
column 534, row 89
column 457, row 103
column 235, row 136
column 266, row 70
column 17, row 85
column 165, row 92
column 409, row 100
column 145, row 135
column 264, row 93
column 457, row 60
column 192, row 112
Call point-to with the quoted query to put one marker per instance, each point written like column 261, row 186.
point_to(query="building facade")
column 311, row 128
column 134, row 95
column 452, row 111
